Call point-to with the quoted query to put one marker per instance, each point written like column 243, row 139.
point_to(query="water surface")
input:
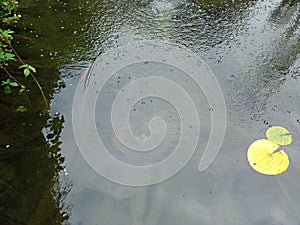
column 253, row 49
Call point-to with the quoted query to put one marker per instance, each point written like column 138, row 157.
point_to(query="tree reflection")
column 31, row 190
column 287, row 15
column 208, row 23
column 276, row 63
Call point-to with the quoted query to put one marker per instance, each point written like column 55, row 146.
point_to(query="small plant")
column 21, row 108
column 7, row 84
column 8, row 17
column 27, row 69
column 8, row 13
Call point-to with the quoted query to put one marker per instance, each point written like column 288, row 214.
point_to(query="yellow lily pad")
column 279, row 135
column 263, row 158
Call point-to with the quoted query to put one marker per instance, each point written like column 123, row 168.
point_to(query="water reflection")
column 252, row 47
column 30, row 187
column 206, row 24
column 193, row 23
column 240, row 40
column 33, row 184
column 231, row 36
column 270, row 52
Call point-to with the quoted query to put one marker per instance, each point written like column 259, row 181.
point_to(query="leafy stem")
column 29, row 70
column 9, row 17
column 11, row 77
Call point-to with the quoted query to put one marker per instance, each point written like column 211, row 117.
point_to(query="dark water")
column 252, row 47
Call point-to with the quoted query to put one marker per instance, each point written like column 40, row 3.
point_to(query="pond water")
column 248, row 48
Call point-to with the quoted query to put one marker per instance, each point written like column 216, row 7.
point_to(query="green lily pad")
column 264, row 158
column 279, row 135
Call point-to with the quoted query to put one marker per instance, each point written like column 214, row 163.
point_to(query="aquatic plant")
column 263, row 154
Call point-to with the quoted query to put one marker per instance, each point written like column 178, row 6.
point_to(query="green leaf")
column 5, row 82
column 21, row 108
column 23, row 66
column 13, row 84
column 9, row 56
column 5, row 34
column 8, row 31
column 279, row 135
column 27, row 69
column 2, row 55
column 22, row 90
column 32, row 68
column 26, row 72
column 7, row 89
